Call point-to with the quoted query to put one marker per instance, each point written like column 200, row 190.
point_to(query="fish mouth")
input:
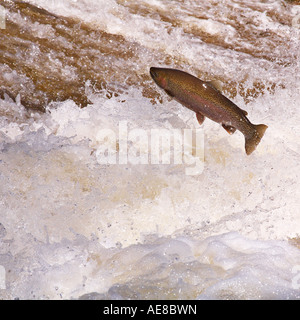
column 153, row 73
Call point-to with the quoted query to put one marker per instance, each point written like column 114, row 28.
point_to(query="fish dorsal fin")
column 244, row 112
column 217, row 84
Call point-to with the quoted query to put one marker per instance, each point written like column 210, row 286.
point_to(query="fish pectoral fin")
column 200, row 118
column 229, row 129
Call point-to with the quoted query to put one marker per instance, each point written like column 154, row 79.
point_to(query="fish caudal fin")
column 252, row 141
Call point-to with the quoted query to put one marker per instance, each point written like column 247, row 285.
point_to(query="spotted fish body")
column 207, row 101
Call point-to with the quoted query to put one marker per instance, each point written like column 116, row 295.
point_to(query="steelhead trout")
column 207, row 101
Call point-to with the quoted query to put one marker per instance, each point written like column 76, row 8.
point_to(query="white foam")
column 55, row 187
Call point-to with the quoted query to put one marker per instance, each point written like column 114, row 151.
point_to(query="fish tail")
column 253, row 140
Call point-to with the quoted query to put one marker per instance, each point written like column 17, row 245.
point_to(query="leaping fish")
column 207, row 101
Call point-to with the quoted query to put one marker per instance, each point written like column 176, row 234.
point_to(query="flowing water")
column 87, row 211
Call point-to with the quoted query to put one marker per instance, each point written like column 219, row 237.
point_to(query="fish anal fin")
column 228, row 128
column 200, row 117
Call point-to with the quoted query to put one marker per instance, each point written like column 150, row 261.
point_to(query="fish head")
column 159, row 76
